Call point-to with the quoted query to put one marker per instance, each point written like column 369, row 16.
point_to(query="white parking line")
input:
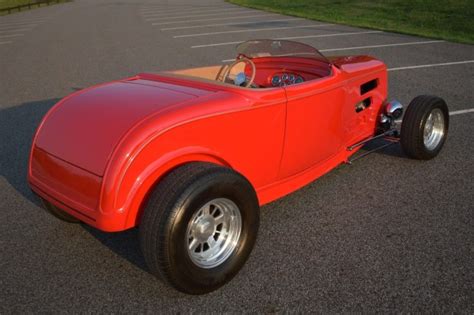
column 462, row 111
column 216, row 19
column 215, row 12
column 386, row 45
column 3, row 43
column 183, row 12
column 175, row 8
column 253, row 30
column 21, row 22
column 451, row 113
column 431, row 65
column 10, row 35
column 294, row 37
column 178, row 10
column 8, row 27
column 15, row 27
column 228, row 24
column 15, row 30
column 195, row 15
column 328, row 35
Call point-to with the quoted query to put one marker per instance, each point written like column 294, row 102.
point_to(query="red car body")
column 99, row 152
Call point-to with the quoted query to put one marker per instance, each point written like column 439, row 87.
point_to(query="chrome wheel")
column 213, row 232
column 434, row 129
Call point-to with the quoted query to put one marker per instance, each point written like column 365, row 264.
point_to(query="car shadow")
column 394, row 149
column 125, row 244
column 17, row 128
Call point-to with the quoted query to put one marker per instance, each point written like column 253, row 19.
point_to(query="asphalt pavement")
column 386, row 234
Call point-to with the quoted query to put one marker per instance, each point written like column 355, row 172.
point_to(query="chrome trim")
column 385, row 120
column 394, row 109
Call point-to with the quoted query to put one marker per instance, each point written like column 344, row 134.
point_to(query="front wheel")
column 199, row 227
column 424, row 127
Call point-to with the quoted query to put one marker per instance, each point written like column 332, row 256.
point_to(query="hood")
column 84, row 128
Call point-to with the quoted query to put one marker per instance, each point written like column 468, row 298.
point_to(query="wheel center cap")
column 204, row 228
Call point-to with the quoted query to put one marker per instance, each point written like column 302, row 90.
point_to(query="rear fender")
column 138, row 181
column 152, row 175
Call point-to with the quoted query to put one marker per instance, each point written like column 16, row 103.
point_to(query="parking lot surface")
column 384, row 234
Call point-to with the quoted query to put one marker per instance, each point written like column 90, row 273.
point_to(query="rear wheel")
column 58, row 213
column 424, row 127
column 199, row 227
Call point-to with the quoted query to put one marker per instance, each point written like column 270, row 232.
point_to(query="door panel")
column 313, row 125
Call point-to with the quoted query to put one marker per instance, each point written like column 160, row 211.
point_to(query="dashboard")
column 285, row 78
column 285, row 71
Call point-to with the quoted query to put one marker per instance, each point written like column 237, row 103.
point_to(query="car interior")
column 263, row 72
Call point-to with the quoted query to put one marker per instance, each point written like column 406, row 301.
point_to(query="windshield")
column 278, row 48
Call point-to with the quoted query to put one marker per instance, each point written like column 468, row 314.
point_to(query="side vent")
column 368, row 86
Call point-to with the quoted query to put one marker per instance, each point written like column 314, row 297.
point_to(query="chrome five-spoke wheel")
column 213, row 232
column 434, row 129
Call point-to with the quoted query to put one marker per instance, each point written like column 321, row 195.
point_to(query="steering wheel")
column 241, row 59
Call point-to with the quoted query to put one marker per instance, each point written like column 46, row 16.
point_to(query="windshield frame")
column 261, row 48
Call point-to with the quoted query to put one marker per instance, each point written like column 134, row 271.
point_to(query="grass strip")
column 443, row 19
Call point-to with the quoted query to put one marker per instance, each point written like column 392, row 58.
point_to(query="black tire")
column 413, row 126
column 58, row 213
column 170, row 207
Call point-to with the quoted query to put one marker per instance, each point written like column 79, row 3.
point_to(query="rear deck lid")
column 85, row 128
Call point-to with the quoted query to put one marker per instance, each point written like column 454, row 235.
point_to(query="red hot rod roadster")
column 189, row 156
